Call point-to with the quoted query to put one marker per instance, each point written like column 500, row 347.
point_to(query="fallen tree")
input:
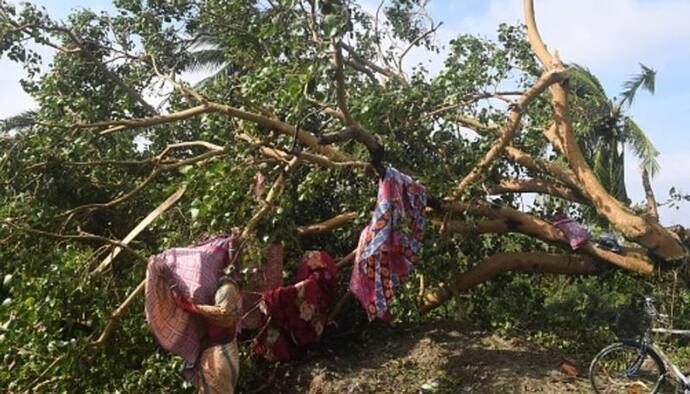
column 302, row 95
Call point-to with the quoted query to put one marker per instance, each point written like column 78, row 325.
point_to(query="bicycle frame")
column 646, row 348
column 671, row 369
column 676, row 373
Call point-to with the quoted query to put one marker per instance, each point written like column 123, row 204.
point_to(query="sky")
column 610, row 37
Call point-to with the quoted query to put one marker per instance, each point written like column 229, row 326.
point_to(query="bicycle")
column 637, row 366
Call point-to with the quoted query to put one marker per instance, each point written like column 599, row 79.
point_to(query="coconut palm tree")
column 21, row 121
column 206, row 55
column 606, row 128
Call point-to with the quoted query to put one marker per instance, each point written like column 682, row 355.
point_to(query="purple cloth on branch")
column 576, row 233
column 194, row 272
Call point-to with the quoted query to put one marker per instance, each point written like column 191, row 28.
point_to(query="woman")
column 218, row 367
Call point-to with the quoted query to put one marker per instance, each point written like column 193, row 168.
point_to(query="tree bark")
column 644, row 231
column 504, row 262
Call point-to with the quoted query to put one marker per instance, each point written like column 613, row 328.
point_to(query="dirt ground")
column 439, row 357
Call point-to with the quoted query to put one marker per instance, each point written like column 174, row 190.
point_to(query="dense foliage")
column 274, row 59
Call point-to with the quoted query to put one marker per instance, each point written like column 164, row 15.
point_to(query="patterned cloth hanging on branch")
column 194, row 272
column 294, row 316
column 390, row 245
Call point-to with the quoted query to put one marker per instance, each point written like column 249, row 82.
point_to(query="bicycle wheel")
column 624, row 367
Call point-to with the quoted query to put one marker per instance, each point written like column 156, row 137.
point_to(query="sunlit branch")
column 499, row 263
column 511, row 126
column 327, row 225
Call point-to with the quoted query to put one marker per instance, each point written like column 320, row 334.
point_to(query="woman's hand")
column 183, row 303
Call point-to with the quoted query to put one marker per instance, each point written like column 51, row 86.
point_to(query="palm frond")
column 583, row 82
column 645, row 79
column 210, row 59
column 18, row 122
column 225, row 70
column 609, row 167
column 206, row 41
column 600, row 167
column 642, row 146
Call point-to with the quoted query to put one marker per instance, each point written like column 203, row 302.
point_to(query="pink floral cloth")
column 294, row 316
column 194, row 272
column 390, row 245
column 576, row 233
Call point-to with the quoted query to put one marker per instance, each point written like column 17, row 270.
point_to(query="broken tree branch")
column 341, row 94
column 533, row 36
column 504, row 262
column 560, row 172
column 117, row 314
column 170, row 201
column 508, row 130
column 414, row 42
column 535, row 186
column 519, row 222
column 82, row 236
column 273, row 193
column 327, row 225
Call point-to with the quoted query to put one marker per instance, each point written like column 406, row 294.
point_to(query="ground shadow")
column 441, row 357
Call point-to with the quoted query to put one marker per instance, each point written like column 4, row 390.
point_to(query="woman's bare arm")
column 226, row 310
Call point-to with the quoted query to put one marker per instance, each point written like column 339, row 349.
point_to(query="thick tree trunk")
column 645, row 231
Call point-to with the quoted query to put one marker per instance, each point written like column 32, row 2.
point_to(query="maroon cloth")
column 194, row 272
column 294, row 316
column 264, row 275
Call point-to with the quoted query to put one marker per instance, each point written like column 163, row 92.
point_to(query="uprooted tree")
column 315, row 97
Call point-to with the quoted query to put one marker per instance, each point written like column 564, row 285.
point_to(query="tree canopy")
column 315, row 97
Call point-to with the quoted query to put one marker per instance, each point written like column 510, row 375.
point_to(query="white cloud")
column 12, row 97
column 610, row 36
column 673, row 174
column 599, row 34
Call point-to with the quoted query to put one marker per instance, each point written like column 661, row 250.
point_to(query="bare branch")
column 377, row 34
column 363, row 69
column 172, row 199
column 284, row 156
column 505, row 262
column 537, row 44
column 327, row 108
column 536, row 186
column 371, row 65
column 562, row 173
column 508, row 130
column 341, row 94
column 124, row 124
column 519, row 222
column 327, row 225
column 375, row 149
column 82, row 236
column 273, row 193
column 117, row 314
column 503, row 96
column 414, row 42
